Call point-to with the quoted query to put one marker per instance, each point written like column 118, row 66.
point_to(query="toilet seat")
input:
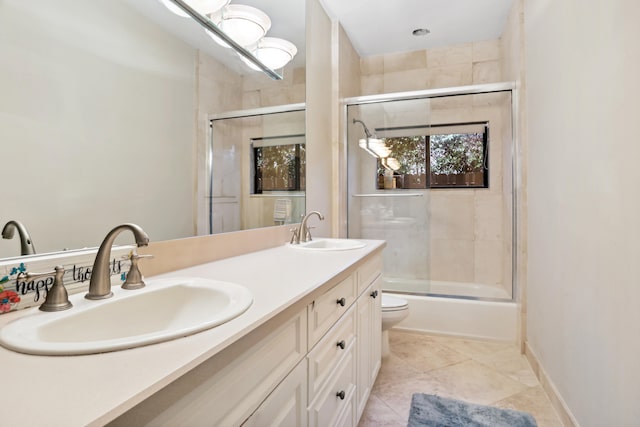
column 391, row 303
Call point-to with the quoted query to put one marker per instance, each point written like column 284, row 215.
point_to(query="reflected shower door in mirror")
column 97, row 118
column 257, row 169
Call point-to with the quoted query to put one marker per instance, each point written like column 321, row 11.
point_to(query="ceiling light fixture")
column 273, row 52
column 243, row 24
column 203, row 7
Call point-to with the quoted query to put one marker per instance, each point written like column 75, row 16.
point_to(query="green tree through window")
column 279, row 168
column 438, row 160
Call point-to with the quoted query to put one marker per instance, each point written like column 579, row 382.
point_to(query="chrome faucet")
column 303, row 233
column 26, row 244
column 100, row 283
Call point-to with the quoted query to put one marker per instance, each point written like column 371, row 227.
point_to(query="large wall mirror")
column 104, row 116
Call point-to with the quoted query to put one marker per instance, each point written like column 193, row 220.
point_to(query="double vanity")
column 296, row 342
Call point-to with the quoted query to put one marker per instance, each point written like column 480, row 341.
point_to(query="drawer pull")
column 341, row 394
column 341, row 302
column 341, row 344
column 374, row 294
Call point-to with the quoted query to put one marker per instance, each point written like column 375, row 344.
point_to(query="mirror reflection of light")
column 273, row 52
column 243, row 24
column 374, row 146
column 203, row 7
column 391, row 163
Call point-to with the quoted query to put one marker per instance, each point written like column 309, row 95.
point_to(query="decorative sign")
column 17, row 292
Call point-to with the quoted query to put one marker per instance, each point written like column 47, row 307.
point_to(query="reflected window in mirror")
column 278, row 164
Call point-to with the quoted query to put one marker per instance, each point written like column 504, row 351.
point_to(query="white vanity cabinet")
column 343, row 365
column 286, row 406
column 312, row 365
column 227, row 388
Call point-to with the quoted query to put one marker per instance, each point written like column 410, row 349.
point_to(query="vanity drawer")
column 328, row 308
column 336, row 397
column 368, row 272
column 325, row 356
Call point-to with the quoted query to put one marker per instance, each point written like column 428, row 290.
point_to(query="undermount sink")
column 330, row 245
column 163, row 310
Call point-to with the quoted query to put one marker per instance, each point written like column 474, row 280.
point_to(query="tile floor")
column 481, row 372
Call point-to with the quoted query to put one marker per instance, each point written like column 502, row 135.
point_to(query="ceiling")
column 378, row 27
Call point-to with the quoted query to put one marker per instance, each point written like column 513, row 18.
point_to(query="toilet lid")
column 393, row 303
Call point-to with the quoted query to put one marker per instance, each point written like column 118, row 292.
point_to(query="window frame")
column 452, row 183
column 258, row 144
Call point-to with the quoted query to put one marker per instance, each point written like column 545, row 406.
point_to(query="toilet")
column 394, row 310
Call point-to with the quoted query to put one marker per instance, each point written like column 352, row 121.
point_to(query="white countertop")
column 94, row 389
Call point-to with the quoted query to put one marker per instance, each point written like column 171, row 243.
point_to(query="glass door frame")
column 443, row 92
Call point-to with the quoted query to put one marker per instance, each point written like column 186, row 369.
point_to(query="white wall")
column 583, row 314
column 97, row 123
column 320, row 103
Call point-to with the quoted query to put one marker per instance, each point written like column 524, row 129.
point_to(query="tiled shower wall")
column 458, row 65
column 470, row 230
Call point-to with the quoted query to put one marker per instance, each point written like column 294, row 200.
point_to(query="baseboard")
column 558, row 403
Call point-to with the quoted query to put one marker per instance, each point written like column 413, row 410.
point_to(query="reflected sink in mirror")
column 164, row 310
column 329, row 245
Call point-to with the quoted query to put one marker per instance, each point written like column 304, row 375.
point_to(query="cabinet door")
column 369, row 324
column 227, row 388
column 363, row 350
column 286, row 406
column 375, row 300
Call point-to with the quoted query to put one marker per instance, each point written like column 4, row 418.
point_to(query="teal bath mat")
column 435, row 411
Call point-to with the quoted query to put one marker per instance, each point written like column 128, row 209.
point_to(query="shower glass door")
column 433, row 177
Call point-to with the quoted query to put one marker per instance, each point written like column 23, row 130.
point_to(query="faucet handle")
column 57, row 296
column 295, row 238
column 135, row 279
column 307, row 233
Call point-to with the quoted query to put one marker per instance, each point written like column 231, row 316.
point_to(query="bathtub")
column 485, row 312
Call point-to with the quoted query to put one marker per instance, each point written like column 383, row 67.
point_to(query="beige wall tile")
column 486, row 51
column 255, row 81
column 401, row 81
column 405, row 61
column 488, row 210
column 371, row 85
column 452, row 260
column 452, row 215
column 450, row 75
column 299, row 75
column 486, row 72
column 251, row 99
column 372, row 65
column 488, row 262
column 450, row 55
column 282, row 95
